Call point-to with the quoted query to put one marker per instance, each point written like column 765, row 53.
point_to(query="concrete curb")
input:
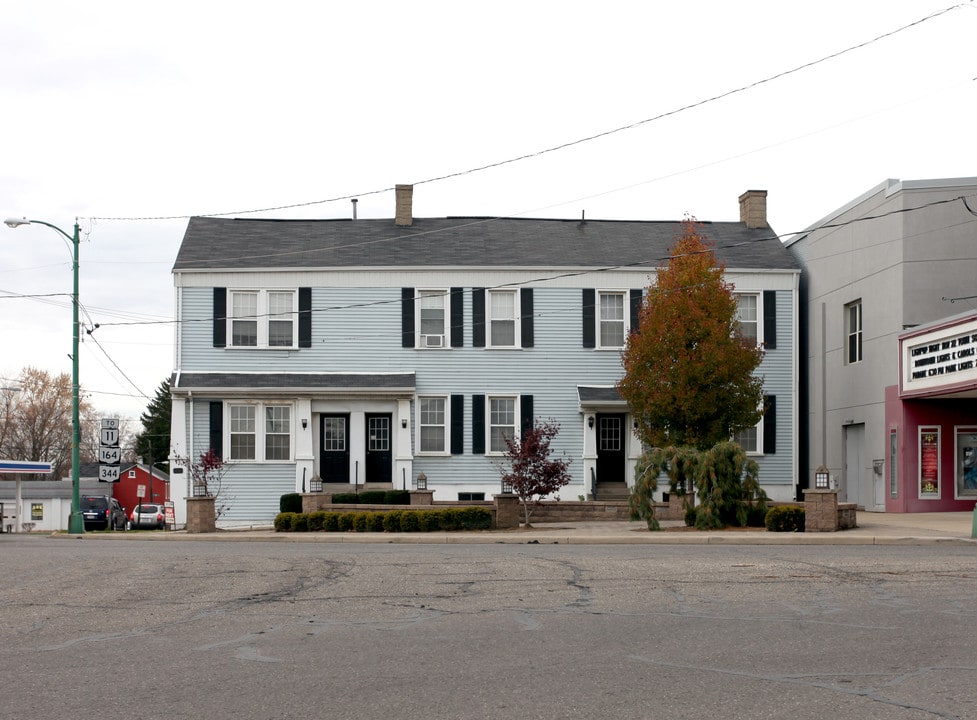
column 536, row 538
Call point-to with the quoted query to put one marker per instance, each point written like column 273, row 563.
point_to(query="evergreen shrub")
column 785, row 518
column 290, row 502
column 345, row 499
column 283, row 521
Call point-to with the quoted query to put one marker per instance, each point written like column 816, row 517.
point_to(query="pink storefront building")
column 931, row 419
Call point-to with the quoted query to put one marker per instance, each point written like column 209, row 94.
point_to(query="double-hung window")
column 611, row 319
column 260, row 431
column 278, row 432
column 748, row 316
column 431, row 311
column 502, row 318
column 243, row 432
column 281, row 319
column 853, row 332
column 262, row 318
column 502, row 422
column 432, row 424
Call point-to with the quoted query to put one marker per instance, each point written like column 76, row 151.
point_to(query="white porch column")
column 179, row 447
column 403, row 478
column 304, row 445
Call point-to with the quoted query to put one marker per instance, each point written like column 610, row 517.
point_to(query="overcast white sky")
column 134, row 110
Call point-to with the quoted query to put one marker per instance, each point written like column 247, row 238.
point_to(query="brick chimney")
column 753, row 208
column 404, row 213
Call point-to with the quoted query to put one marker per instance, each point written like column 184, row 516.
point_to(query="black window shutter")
column 457, row 317
column 478, row 317
column 478, row 424
column 770, row 425
column 407, row 317
column 220, row 317
column 769, row 319
column 217, row 427
column 305, row 317
column 457, row 424
column 589, row 319
column 526, row 313
column 526, row 412
column 636, row 295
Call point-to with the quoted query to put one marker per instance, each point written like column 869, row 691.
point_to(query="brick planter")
column 201, row 516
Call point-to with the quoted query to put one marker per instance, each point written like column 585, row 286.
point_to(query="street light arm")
column 17, row 222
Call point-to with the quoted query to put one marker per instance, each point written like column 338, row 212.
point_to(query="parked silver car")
column 148, row 515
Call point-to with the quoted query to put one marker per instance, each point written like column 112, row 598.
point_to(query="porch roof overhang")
column 595, row 398
column 401, row 385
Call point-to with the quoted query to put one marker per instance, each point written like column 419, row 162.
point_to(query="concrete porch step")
column 613, row 491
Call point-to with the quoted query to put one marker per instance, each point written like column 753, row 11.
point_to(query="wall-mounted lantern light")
column 403, row 423
column 305, row 423
column 590, row 422
column 422, row 481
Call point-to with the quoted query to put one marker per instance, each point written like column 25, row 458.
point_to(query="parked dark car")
column 102, row 512
column 148, row 515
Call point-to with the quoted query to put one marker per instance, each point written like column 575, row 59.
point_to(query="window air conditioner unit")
column 432, row 341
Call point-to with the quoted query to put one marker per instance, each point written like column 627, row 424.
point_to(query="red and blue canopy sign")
column 24, row 466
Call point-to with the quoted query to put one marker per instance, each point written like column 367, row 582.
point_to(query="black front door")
column 610, row 448
column 378, row 454
column 334, row 449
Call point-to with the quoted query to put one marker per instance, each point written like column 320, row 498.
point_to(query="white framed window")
column 432, row 424
column 278, row 432
column 751, row 439
column 431, row 312
column 281, row 319
column 249, row 439
column 503, row 316
column 243, row 432
column 853, row 332
column 748, row 316
column 262, row 318
column 611, row 319
column 502, row 414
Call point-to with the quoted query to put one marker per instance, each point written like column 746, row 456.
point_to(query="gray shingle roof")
column 590, row 395
column 360, row 382
column 221, row 243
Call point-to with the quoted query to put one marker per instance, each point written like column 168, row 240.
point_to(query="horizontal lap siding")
column 550, row 372
column 252, row 490
column 358, row 330
column 777, row 370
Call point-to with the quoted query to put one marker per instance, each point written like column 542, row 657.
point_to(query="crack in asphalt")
column 870, row 693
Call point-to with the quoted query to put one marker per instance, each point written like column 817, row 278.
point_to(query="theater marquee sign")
column 940, row 358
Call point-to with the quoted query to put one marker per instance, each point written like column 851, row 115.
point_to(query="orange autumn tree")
column 688, row 372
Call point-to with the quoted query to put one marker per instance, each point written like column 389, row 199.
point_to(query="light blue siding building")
column 372, row 352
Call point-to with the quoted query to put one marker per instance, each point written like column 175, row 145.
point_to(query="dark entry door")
column 610, row 448
column 334, row 449
column 378, row 454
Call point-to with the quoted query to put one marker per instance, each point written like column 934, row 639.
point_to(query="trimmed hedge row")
column 373, row 497
column 473, row 518
column 785, row 518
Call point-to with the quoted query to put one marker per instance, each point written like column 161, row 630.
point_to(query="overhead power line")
column 571, row 143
